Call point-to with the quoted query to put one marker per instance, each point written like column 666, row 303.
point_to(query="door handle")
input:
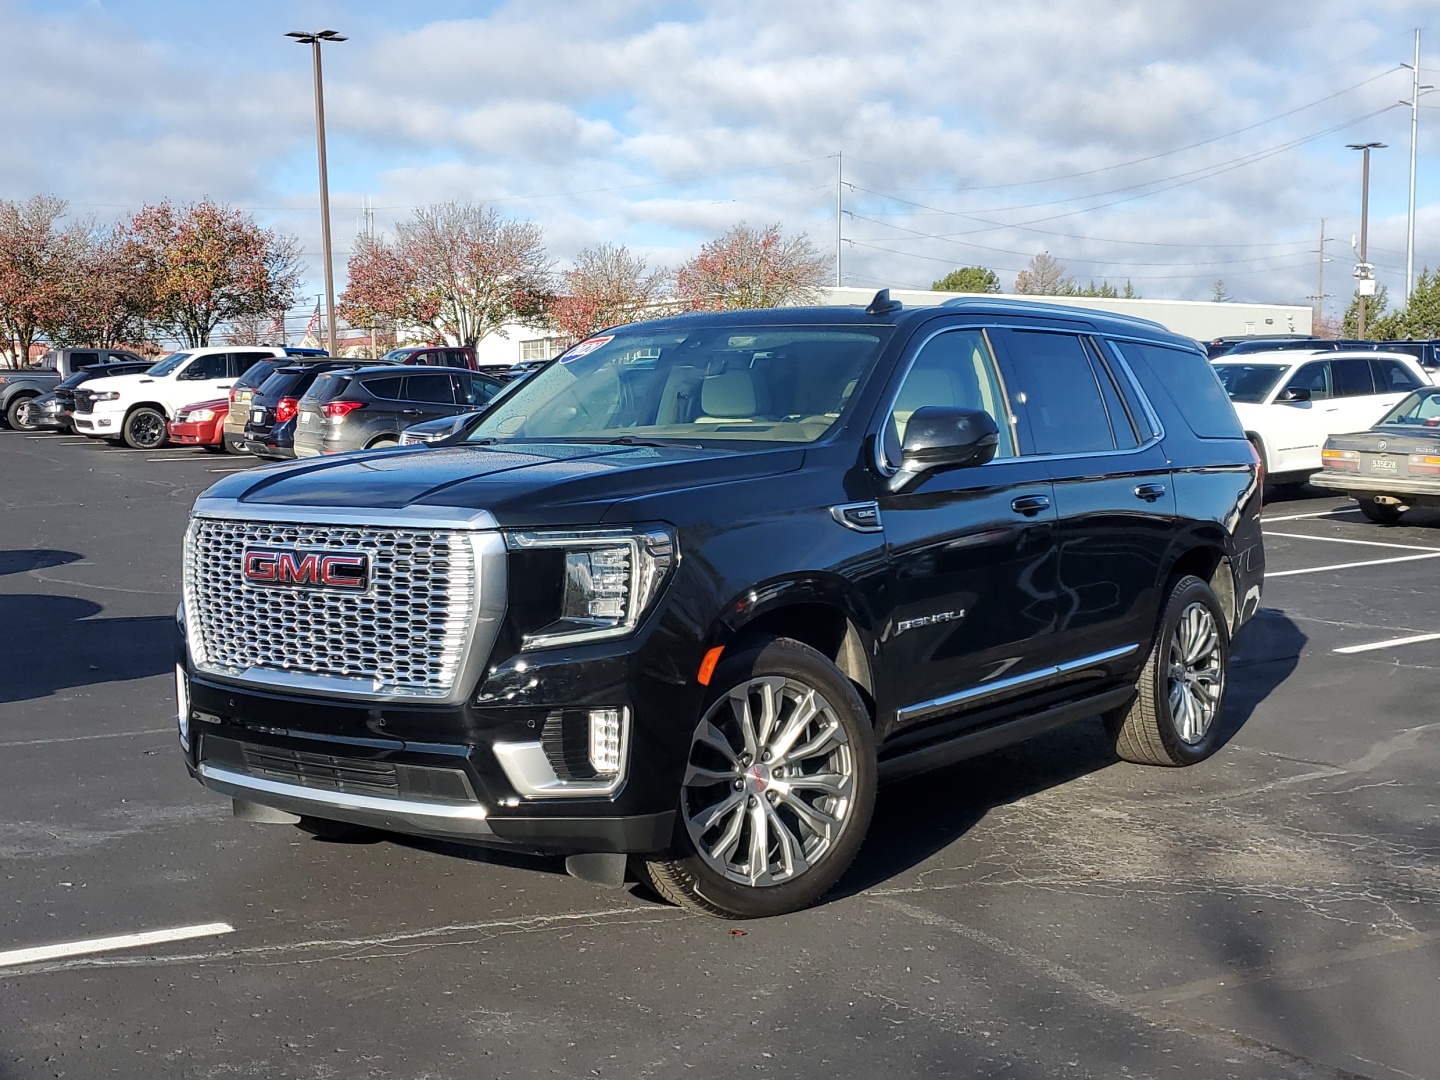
column 1030, row 505
column 411, row 412
column 223, row 386
column 1149, row 492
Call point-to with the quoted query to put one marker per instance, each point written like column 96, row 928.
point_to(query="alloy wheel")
column 148, row 430
column 770, row 781
column 1196, row 676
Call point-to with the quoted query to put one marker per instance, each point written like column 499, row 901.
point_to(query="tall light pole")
column 313, row 40
column 1364, row 272
column 1415, row 91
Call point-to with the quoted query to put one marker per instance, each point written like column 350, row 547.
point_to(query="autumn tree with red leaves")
column 34, row 255
column 752, row 268
column 457, row 270
column 607, row 286
column 103, row 303
column 204, row 264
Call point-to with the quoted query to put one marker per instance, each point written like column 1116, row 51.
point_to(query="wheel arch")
column 159, row 406
column 1204, row 556
column 823, row 611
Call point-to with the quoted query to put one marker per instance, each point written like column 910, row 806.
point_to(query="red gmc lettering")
column 335, row 571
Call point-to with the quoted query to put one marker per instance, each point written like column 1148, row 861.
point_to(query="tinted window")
column 1352, row 377
column 434, row 388
column 213, row 366
column 390, row 389
column 955, row 370
column 1393, row 377
column 1315, row 377
column 1055, row 394
column 1123, row 415
column 456, row 358
column 328, row 388
column 1190, row 382
column 255, row 375
column 83, row 359
column 470, row 390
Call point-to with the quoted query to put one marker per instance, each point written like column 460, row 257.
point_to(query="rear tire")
column 144, row 429
column 21, row 414
column 1173, row 719
column 778, row 790
column 1379, row 513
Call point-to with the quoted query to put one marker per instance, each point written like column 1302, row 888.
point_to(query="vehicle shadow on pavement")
column 23, row 561
column 916, row 819
column 55, row 642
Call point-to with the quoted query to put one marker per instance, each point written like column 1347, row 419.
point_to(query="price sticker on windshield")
column 585, row 348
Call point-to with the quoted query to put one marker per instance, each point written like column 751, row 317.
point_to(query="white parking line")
column 1320, row 514
column 187, row 457
column 1413, row 639
column 16, row 957
column 87, row 738
column 1349, row 565
column 1362, row 543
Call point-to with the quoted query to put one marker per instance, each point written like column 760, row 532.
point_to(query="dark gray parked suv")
column 369, row 408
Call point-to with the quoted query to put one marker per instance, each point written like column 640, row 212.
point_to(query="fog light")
column 103, row 423
column 606, row 745
column 182, row 707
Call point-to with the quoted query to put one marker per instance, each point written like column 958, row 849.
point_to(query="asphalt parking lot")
column 1044, row 912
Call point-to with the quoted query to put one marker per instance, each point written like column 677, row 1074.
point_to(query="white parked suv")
column 135, row 408
column 1290, row 402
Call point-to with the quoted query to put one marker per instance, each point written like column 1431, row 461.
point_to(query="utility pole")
column 314, row 40
column 1364, row 273
column 1415, row 91
column 1319, row 297
column 839, row 209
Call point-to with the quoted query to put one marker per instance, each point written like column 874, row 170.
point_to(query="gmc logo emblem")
column 314, row 569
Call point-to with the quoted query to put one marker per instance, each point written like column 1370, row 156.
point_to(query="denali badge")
column 317, row 569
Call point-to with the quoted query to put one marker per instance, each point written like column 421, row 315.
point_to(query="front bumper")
column 204, row 433
column 104, row 423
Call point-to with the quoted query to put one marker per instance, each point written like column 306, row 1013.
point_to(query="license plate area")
column 257, row 416
column 1386, row 465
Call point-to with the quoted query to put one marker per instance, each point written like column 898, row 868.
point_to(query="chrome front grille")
column 405, row 635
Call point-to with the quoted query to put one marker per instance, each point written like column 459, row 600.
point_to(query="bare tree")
column 607, row 285
column 752, row 268
column 1043, row 276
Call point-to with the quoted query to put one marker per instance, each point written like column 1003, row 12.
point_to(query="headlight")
column 106, row 395
column 611, row 579
column 199, row 416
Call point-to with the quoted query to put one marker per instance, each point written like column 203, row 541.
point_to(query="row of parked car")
column 1358, row 420
column 270, row 401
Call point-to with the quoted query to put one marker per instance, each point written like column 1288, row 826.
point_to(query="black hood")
column 520, row 484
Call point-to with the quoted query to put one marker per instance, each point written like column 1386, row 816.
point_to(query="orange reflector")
column 707, row 665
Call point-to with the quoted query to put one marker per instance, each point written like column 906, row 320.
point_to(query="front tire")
column 1379, row 513
column 778, row 789
column 1173, row 718
column 21, row 415
column 144, row 429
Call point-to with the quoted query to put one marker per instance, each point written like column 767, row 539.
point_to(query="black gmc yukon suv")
column 694, row 589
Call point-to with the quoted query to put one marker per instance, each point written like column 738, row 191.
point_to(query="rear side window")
column 255, row 375
column 389, row 389
column 1189, row 381
column 456, row 358
column 434, row 388
column 1393, row 377
column 1056, row 394
column 1352, row 377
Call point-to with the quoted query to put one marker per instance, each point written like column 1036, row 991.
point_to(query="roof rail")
column 882, row 304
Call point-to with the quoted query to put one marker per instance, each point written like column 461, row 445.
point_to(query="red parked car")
column 201, row 424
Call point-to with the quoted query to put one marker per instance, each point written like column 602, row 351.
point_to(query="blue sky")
column 1164, row 142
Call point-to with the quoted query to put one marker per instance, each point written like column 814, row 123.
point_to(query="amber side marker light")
column 707, row 665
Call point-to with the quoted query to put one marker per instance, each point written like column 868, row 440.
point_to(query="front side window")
column 955, row 370
column 708, row 384
column 211, row 366
column 431, row 388
column 169, row 364
column 1315, row 377
column 1055, row 390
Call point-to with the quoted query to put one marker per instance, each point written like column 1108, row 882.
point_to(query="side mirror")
column 1293, row 393
column 938, row 437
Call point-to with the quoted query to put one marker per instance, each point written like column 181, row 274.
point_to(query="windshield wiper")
column 634, row 440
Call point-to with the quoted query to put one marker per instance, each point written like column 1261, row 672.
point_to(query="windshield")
column 169, row 364
column 1421, row 409
column 1249, row 382
column 766, row 384
column 398, row 356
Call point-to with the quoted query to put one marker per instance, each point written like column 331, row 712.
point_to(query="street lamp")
column 314, row 40
column 1364, row 272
